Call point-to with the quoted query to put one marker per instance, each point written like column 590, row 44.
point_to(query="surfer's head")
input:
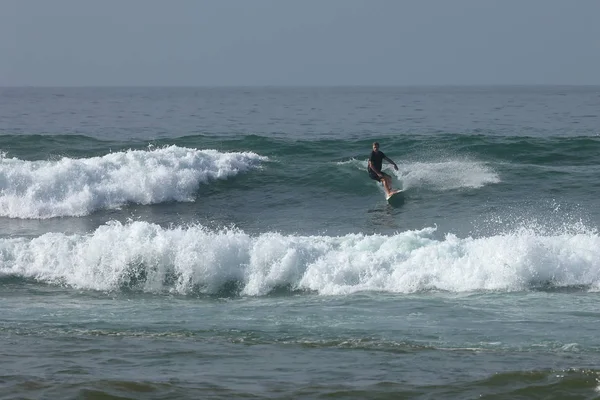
column 375, row 146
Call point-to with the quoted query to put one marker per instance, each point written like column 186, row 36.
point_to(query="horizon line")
column 455, row 85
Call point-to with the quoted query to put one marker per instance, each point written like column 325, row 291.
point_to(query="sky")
column 298, row 42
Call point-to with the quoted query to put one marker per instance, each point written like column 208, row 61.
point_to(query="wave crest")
column 78, row 187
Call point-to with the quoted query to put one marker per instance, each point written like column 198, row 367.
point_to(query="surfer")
column 374, row 168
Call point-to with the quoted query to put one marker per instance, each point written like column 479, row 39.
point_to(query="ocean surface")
column 219, row 243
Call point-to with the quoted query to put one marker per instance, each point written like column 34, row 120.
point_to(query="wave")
column 78, row 187
column 489, row 146
column 569, row 383
column 547, row 150
column 193, row 260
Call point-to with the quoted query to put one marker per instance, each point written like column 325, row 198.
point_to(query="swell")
column 520, row 149
column 534, row 384
column 579, row 150
column 436, row 162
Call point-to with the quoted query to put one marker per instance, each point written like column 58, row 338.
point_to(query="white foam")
column 189, row 259
column 447, row 175
column 77, row 187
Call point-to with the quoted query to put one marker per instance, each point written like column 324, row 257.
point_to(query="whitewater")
column 194, row 260
column 78, row 187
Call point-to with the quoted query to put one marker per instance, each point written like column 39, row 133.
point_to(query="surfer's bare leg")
column 387, row 184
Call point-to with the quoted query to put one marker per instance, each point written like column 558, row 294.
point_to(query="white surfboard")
column 397, row 197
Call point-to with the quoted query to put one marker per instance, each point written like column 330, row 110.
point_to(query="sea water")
column 229, row 243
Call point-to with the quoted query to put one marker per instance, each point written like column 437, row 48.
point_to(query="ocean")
column 219, row 243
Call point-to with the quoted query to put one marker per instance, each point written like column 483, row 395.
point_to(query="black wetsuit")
column 376, row 161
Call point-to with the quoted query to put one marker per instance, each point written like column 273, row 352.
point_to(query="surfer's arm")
column 391, row 162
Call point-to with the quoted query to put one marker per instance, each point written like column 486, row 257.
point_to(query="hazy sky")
column 298, row 42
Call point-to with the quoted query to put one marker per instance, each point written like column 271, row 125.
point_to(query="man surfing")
column 375, row 162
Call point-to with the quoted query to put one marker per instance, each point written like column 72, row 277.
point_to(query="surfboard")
column 395, row 198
